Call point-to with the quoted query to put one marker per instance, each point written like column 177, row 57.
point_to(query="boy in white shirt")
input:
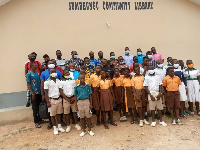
column 52, row 87
column 67, row 92
column 152, row 84
column 160, row 70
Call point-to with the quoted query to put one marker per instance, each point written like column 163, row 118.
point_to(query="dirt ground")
column 24, row 135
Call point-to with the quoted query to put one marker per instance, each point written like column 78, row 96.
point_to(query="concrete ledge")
column 15, row 114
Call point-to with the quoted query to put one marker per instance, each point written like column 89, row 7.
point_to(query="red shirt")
column 39, row 66
column 59, row 69
column 131, row 67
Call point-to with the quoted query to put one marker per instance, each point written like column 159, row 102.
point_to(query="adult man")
column 112, row 62
column 156, row 56
column 100, row 54
column 77, row 61
column 93, row 61
column 59, row 61
column 140, row 56
column 152, row 62
column 45, row 63
column 128, row 59
column 135, row 60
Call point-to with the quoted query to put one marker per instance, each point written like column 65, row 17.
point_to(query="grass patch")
column 198, row 118
column 5, row 135
column 42, row 149
column 185, row 139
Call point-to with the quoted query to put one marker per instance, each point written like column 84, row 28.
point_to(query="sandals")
column 98, row 123
column 114, row 124
column 106, row 126
column 49, row 127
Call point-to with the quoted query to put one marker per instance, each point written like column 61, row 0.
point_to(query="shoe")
column 179, row 122
column 153, row 124
column 61, row 129
column 91, row 133
column 37, row 125
column 55, row 131
column 141, row 123
column 28, row 104
column 146, row 122
column 77, row 127
column 68, row 129
column 82, row 134
column 121, row 119
column 124, row 118
column 173, row 122
column 162, row 123
column 92, row 126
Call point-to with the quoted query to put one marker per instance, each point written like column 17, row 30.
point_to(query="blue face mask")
column 150, row 56
column 87, row 65
column 75, row 56
column 112, row 57
column 72, row 70
column 127, row 52
column 139, row 53
column 121, row 63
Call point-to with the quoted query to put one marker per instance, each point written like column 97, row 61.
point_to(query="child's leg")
column 89, row 124
column 119, row 109
column 182, row 107
column 143, row 112
column 171, row 112
column 104, row 119
column 177, row 113
column 58, row 117
column 75, row 117
column 153, row 115
column 160, row 115
column 67, row 119
column 135, row 114
column 83, row 124
column 111, row 117
column 197, row 106
column 140, row 112
column 98, row 116
column 191, row 107
column 53, row 120
column 131, row 114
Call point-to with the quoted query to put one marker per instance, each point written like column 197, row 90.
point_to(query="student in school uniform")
column 135, row 61
column 139, row 92
column 143, row 68
column 88, row 68
column 118, row 93
column 52, row 87
column 192, row 76
column 94, row 80
column 134, row 66
column 106, row 99
column 129, row 101
column 83, row 100
column 169, row 62
column 73, row 73
column 67, row 92
column 152, row 84
column 33, row 84
column 121, row 63
column 183, row 87
column 171, row 85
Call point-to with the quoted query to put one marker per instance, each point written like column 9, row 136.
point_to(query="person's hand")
column 186, row 90
column 72, row 101
column 159, row 96
column 33, row 97
column 48, row 104
column 43, row 98
column 76, row 107
column 152, row 98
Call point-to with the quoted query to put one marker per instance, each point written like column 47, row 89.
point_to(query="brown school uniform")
column 94, row 80
column 118, row 88
column 137, row 82
column 106, row 98
column 129, row 99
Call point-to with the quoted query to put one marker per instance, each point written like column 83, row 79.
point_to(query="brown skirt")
column 96, row 98
column 118, row 94
column 106, row 100
column 140, row 98
column 130, row 97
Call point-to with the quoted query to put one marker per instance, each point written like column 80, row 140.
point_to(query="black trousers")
column 35, row 107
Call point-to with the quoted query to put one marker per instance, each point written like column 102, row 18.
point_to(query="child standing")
column 83, row 100
column 33, row 84
column 67, row 92
column 152, row 84
column 171, row 85
column 193, row 79
column 128, row 95
column 138, row 89
column 106, row 99
column 52, row 88
column 94, row 80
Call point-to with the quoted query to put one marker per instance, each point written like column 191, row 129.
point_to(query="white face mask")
column 176, row 65
column 51, row 66
column 151, row 71
column 160, row 65
column 53, row 75
column 67, row 77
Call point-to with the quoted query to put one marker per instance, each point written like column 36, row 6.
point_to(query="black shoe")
column 157, row 117
column 49, row 127
column 28, row 104
column 37, row 125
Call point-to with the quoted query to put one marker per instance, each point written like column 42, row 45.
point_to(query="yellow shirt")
column 137, row 82
column 118, row 81
column 171, row 84
column 105, row 84
column 94, row 80
column 126, row 82
column 86, row 81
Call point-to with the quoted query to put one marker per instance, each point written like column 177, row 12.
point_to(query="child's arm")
column 42, row 89
column 31, row 91
column 160, row 90
column 47, row 97
column 75, row 97
column 63, row 95
column 122, row 94
column 90, row 101
column 152, row 98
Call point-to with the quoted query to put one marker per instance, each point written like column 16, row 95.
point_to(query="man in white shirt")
column 67, row 92
column 128, row 59
column 52, row 87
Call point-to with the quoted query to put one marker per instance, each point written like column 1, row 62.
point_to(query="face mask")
column 121, row 63
column 151, row 71
column 127, row 52
column 75, row 56
column 53, row 75
column 190, row 66
column 51, row 66
column 67, row 77
column 150, row 56
column 72, row 70
column 32, row 59
column 160, row 65
column 176, row 65
column 139, row 53
column 87, row 65
column 112, row 57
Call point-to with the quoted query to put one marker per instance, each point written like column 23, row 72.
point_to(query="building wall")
column 44, row 26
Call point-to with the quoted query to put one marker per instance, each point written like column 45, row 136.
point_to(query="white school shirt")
column 53, row 87
column 153, row 82
column 161, row 72
column 142, row 71
column 68, row 87
column 191, row 74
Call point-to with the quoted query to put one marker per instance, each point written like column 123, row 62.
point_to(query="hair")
column 45, row 56
column 123, row 69
column 86, row 58
column 72, row 52
column 145, row 58
column 188, row 60
column 134, row 57
column 169, row 57
column 120, row 56
column 52, row 60
column 111, row 53
column 116, row 69
column 98, row 65
column 126, row 47
column 100, row 52
column 169, row 68
column 148, row 52
column 180, row 61
column 152, row 47
column 66, row 70
column 58, row 50
column 34, row 53
column 126, row 69
column 91, row 52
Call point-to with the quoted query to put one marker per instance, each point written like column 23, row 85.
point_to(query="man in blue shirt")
column 73, row 73
column 128, row 59
column 140, row 56
column 93, row 61
column 83, row 94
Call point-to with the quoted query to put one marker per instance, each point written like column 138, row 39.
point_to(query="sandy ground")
column 125, row 136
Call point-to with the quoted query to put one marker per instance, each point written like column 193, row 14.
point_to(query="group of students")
column 80, row 87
